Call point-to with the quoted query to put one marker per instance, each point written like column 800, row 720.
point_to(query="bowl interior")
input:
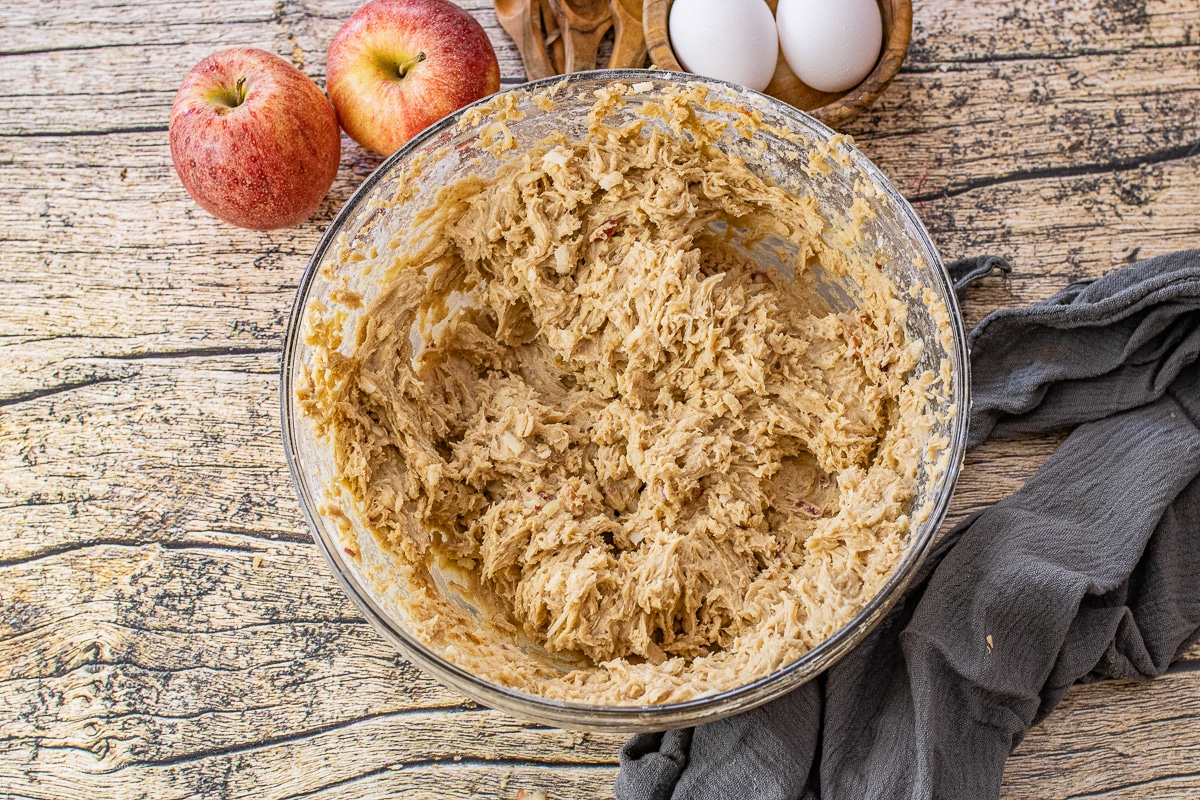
column 448, row 151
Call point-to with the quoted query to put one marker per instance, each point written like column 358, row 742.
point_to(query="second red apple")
column 397, row 66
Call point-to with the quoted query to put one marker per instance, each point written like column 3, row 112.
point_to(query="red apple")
column 253, row 139
column 397, row 66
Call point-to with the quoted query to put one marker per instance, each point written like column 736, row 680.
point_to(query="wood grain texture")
column 167, row 628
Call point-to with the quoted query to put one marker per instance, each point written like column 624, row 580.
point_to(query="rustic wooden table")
column 167, row 627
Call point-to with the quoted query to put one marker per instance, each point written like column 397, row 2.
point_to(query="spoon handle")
column 524, row 24
column 582, row 47
column 629, row 48
column 554, row 39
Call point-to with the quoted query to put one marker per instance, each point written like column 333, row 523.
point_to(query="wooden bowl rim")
column 898, row 36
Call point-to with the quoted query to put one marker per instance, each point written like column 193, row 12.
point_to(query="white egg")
column 830, row 44
column 733, row 40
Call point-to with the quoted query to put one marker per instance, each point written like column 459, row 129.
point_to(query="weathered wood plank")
column 1056, row 229
column 435, row 779
column 83, row 230
column 1114, row 740
column 981, row 123
column 103, row 461
column 998, row 32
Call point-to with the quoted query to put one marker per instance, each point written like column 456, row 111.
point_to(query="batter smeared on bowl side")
column 674, row 468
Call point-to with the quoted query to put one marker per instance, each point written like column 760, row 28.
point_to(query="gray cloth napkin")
column 1088, row 572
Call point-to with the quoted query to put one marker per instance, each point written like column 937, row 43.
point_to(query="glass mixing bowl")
column 450, row 150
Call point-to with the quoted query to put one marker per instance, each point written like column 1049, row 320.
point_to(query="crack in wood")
column 38, row 394
column 176, row 544
column 195, row 352
column 1179, row 153
column 1157, row 779
column 84, row 47
column 276, row 741
column 932, row 66
column 84, row 133
column 165, row 355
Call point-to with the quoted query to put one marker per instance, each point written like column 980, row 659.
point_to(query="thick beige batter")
column 673, row 468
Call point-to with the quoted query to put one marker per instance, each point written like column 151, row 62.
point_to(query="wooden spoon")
column 629, row 49
column 554, row 40
column 583, row 23
column 524, row 24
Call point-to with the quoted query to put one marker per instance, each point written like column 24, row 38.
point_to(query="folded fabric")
column 1088, row 572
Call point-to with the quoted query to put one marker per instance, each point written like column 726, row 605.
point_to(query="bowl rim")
column 624, row 718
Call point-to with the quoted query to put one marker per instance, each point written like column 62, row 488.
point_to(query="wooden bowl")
column 832, row 108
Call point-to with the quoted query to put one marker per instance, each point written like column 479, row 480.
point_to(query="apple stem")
column 404, row 66
column 227, row 99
